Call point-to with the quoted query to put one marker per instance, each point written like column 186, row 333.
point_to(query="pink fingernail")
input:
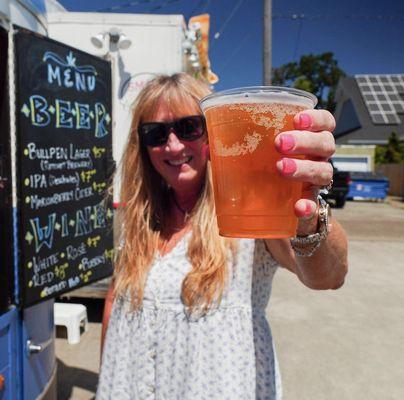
column 288, row 166
column 287, row 142
column 308, row 211
column 305, row 121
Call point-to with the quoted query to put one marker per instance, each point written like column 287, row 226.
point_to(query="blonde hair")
column 145, row 210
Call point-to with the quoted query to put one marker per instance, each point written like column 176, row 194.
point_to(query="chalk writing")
column 38, row 202
column 99, row 187
column 42, row 264
column 86, row 220
column 85, row 277
column 67, row 114
column 43, row 235
column 83, row 193
column 60, row 270
column 48, row 153
column 98, row 151
column 68, row 74
column 89, row 263
column 64, row 163
column 93, row 242
column 109, row 254
column 74, row 252
column 58, row 287
column 64, row 180
column 37, row 181
column 74, row 281
column 87, row 175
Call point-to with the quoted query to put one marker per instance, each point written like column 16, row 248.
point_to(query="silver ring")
column 329, row 186
column 326, row 189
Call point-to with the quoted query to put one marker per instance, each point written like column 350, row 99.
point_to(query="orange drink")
column 251, row 198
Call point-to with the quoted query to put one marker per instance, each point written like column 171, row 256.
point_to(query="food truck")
column 67, row 82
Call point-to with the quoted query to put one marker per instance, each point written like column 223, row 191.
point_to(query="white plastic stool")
column 71, row 316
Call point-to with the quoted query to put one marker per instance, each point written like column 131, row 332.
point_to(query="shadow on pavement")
column 74, row 377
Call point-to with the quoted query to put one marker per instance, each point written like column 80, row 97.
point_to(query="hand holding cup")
column 311, row 138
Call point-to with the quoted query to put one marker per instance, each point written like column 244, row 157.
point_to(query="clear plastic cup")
column 251, row 198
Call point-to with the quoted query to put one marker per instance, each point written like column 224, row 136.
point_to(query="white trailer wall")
column 156, row 48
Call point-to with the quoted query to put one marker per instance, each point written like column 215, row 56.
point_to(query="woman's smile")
column 179, row 161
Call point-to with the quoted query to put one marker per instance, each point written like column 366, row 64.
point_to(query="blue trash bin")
column 368, row 185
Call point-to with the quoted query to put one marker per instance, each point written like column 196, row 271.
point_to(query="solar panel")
column 383, row 96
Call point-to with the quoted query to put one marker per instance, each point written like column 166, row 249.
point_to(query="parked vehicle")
column 340, row 188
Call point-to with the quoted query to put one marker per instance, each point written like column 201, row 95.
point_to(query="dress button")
column 152, row 354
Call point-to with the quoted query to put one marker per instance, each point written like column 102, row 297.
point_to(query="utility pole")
column 267, row 41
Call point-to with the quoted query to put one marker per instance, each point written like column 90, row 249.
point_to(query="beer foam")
column 249, row 144
column 268, row 115
column 262, row 97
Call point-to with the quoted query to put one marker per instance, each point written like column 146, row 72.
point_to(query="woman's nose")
column 173, row 143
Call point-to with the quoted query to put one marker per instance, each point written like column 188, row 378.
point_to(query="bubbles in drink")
column 248, row 145
column 270, row 115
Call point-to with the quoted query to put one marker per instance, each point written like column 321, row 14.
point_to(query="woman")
column 188, row 306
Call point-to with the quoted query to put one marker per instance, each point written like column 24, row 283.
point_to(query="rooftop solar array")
column 383, row 96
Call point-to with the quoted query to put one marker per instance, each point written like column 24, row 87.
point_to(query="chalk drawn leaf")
column 29, row 237
column 25, row 110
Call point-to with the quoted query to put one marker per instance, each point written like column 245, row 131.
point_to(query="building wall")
column 356, row 153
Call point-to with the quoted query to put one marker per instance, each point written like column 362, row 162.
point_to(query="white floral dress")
column 160, row 353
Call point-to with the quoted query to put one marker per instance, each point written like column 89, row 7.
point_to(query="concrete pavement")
column 345, row 344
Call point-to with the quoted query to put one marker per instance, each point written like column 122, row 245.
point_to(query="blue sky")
column 365, row 36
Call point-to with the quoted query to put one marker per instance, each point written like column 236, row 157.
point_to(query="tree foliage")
column 318, row 74
column 393, row 153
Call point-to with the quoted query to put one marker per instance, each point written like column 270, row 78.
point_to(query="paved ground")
column 349, row 343
column 345, row 344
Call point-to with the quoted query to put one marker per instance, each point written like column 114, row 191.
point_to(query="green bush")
column 393, row 153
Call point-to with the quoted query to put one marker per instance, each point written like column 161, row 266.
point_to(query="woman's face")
column 182, row 164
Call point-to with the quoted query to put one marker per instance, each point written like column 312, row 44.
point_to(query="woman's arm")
column 109, row 300
column 325, row 269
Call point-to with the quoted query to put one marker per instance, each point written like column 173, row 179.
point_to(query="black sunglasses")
column 188, row 128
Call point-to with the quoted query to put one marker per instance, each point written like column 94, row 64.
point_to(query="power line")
column 330, row 16
column 233, row 11
column 235, row 51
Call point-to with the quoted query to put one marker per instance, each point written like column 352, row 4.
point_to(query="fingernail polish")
column 288, row 166
column 307, row 212
column 287, row 142
column 305, row 121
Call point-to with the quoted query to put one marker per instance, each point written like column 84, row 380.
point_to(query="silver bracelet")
column 299, row 243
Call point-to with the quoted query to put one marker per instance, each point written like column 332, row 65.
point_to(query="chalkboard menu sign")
column 64, row 165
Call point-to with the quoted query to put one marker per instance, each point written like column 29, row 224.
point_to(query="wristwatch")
column 299, row 243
